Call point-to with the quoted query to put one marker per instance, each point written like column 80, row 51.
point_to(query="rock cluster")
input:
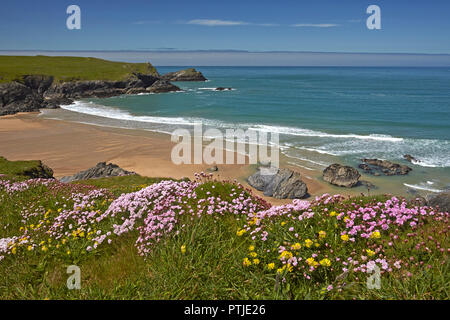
column 377, row 167
column 342, row 176
column 284, row 184
column 101, row 170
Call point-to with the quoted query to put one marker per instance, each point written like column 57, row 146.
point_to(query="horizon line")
column 227, row 51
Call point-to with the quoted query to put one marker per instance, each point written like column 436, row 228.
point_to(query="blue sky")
column 408, row 26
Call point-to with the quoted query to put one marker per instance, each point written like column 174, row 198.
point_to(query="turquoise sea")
column 323, row 115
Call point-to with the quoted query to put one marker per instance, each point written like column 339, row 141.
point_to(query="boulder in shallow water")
column 101, row 170
column 282, row 184
column 410, row 158
column 162, row 86
column 385, row 167
column 342, row 176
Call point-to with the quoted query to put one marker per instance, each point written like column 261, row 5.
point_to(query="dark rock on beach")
column 440, row 201
column 101, row 170
column 284, row 184
column 342, row 176
column 377, row 167
column 184, row 75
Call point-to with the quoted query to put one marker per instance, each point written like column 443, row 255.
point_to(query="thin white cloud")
column 146, row 22
column 315, row 25
column 227, row 23
column 214, row 23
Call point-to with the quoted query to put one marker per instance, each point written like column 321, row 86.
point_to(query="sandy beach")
column 69, row 147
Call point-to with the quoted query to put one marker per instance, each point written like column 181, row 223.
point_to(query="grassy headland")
column 141, row 238
column 69, row 68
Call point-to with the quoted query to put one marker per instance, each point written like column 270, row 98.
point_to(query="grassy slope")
column 211, row 267
column 68, row 68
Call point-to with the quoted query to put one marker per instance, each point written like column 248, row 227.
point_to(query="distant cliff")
column 31, row 83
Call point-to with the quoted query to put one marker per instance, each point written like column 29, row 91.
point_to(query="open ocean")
column 323, row 115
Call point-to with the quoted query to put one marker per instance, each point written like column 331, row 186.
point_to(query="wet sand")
column 69, row 147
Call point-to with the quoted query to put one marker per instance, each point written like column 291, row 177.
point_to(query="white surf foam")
column 423, row 188
column 312, row 133
column 113, row 113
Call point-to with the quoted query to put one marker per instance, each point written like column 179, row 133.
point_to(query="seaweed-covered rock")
column 373, row 166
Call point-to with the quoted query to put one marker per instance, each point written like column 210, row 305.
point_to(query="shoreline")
column 69, row 147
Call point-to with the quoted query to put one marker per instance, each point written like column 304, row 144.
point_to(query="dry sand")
column 69, row 147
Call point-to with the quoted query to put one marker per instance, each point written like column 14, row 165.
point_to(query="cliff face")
column 73, row 79
column 37, row 91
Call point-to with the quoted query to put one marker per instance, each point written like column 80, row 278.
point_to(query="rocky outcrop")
column 17, row 97
column 223, row 89
column 440, row 201
column 161, row 86
column 377, row 167
column 33, row 92
column 101, row 170
column 284, row 184
column 184, row 75
column 342, row 176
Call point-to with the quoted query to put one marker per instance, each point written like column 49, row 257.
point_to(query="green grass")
column 211, row 267
column 19, row 170
column 69, row 68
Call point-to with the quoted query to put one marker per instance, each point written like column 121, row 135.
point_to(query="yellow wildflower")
column 253, row 254
column 332, row 213
column 345, row 237
column 325, row 262
column 44, row 248
column 370, row 252
column 296, row 246
column 183, row 249
column 283, row 223
column 270, row 266
column 255, row 261
column 375, row 235
column 308, row 243
column 322, row 234
column 251, row 248
column 286, row 255
column 312, row 262
column 14, row 250
column 247, row 262
column 240, row 232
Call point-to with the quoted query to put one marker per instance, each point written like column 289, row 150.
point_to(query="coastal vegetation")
column 64, row 69
column 143, row 238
